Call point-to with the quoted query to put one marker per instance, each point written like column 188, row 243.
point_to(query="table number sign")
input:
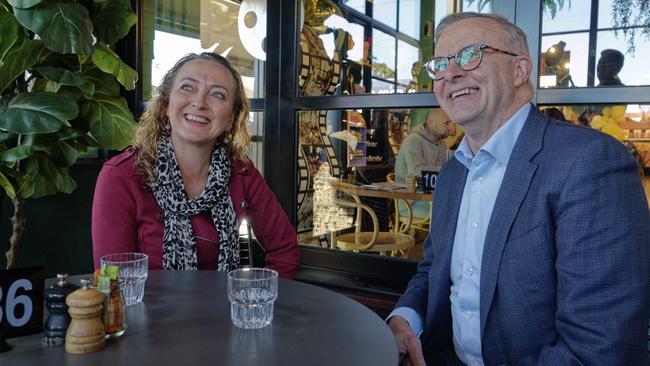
column 21, row 301
column 429, row 180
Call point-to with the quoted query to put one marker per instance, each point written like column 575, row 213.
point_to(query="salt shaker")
column 86, row 331
column 58, row 319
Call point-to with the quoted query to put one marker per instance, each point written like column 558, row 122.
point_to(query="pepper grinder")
column 58, row 319
column 86, row 331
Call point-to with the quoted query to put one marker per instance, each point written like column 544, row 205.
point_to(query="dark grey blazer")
column 566, row 263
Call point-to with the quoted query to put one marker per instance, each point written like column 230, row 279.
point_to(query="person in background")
column 423, row 148
column 609, row 65
column 539, row 250
column 179, row 193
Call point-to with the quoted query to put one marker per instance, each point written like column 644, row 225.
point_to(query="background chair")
column 421, row 212
column 383, row 242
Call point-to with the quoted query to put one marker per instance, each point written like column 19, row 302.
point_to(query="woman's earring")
column 167, row 126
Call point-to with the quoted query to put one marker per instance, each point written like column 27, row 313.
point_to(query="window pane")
column 407, row 58
column 359, row 5
column 621, row 63
column 480, row 6
column 344, row 60
column 383, row 61
column 634, row 70
column 606, row 20
column 444, row 8
column 385, row 11
column 172, row 29
column 571, row 16
column 564, row 66
column 409, row 18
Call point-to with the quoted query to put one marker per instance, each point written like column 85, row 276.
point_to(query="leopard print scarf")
column 179, row 243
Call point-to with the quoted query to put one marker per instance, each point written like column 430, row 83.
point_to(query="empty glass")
column 132, row 276
column 251, row 292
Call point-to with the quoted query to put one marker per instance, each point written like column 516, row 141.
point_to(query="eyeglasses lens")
column 468, row 58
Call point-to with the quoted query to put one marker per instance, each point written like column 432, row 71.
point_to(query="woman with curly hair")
column 179, row 192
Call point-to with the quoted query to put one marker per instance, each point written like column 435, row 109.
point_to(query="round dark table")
column 185, row 320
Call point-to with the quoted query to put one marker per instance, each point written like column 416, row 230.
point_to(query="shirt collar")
column 499, row 145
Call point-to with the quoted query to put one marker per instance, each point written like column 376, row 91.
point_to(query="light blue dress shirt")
column 486, row 171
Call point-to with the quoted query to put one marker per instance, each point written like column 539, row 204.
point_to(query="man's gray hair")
column 515, row 37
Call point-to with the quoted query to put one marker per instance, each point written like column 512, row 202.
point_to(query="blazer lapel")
column 515, row 184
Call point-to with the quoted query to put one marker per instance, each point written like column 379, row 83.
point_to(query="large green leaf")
column 7, row 186
column 72, row 83
column 17, row 153
column 19, row 59
column 11, row 33
column 113, row 20
column 108, row 61
column 104, row 83
column 61, row 75
column 60, row 151
column 64, row 154
column 24, row 4
column 63, row 27
column 47, row 177
column 30, row 113
column 111, row 122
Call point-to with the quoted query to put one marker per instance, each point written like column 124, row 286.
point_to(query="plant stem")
column 18, row 228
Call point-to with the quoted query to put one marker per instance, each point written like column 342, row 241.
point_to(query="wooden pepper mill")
column 58, row 319
column 86, row 331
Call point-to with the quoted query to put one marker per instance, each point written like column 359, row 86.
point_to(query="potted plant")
column 59, row 94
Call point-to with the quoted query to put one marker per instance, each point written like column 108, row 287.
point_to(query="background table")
column 381, row 193
column 185, row 320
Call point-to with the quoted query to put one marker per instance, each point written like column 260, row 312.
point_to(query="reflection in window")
column 357, row 146
column 583, row 62
column 365, row 50
column 172, row 29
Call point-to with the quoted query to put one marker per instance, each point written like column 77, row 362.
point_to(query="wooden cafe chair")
column 383, row 242
column 418, row 223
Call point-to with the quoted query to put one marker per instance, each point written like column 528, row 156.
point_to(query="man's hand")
column 407, row 341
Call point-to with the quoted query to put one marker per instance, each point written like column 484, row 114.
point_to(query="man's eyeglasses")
column 468, row 59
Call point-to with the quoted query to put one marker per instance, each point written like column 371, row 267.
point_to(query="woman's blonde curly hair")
column 154, row 121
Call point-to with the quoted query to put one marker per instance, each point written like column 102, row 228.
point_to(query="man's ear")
column 523, row 68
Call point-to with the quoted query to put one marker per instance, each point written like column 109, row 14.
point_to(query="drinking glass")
column 132, row 276
column 252, row 292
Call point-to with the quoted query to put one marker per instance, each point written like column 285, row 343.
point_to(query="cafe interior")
column 334, row 87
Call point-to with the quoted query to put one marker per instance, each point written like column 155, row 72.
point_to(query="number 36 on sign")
column 21, row 301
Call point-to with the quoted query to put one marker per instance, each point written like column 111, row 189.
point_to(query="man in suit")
column 539, row 249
